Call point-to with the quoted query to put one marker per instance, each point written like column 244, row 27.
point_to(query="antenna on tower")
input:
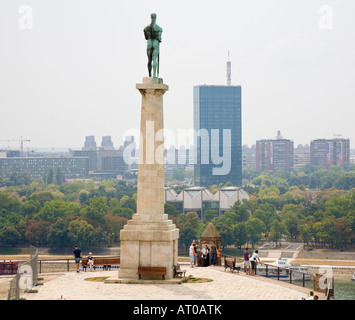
column 229, row 70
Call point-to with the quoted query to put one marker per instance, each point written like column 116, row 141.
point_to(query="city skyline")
column 73, row 73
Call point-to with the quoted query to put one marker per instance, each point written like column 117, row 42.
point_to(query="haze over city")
column 71, row 71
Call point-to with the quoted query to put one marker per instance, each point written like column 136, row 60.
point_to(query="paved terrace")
column 225, row 286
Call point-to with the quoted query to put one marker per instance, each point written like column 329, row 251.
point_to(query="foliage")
column 312, row 204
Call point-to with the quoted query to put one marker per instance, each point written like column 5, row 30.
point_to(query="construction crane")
column 22, row 141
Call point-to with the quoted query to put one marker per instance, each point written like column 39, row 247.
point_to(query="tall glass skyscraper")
column 218, row 129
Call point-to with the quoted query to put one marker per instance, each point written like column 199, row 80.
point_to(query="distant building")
column 200, row 199
column 37, row 167
column 352, row 156
column 277, row 154
column 90, row 142
column 10, row 153
column 104, row 161
column 249, row 157
column 106, row 142
column 176, row 160
column 218, row 125
column 327, row 152
column 302, row 156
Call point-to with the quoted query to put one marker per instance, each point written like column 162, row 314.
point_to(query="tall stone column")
column 150, row 239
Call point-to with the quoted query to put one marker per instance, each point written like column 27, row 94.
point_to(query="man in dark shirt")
column 77, row 256
column 246, row 256
column 213, row 254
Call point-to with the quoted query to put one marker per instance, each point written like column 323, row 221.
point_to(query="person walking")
column 254, row 259
column 77, row 256
column 213, row 254
column 246, row 256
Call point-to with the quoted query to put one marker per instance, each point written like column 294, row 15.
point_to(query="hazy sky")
column 72, row 70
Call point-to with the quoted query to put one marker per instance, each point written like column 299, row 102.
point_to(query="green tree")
column 127, row 202
column 52, row 210
column 96, row 210
column 278, row 229
column 50, row 176
column 241, row 210
column 9, row 236
column 30, row 208
column 81, row 232
column 169, row 209
column 226, row 232
column 59, row 176
column 58, row 234
column 123, row 212
column 187, row 233
column 290, row 216
column 188, row 225
column 114, row 225
column 241, row 234
column 255, row 227
column 209, row 215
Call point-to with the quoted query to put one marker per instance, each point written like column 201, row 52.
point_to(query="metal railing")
column 26, row 277
column 63, row 265
column 318, row 282
column 296, row 277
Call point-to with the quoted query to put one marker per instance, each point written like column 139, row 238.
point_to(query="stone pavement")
column 225, row 286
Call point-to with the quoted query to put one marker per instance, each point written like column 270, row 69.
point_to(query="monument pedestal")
column 150, row 239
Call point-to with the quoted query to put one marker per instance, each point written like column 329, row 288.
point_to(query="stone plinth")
column 150, row 239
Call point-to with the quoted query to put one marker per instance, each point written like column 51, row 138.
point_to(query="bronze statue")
column 152, row 34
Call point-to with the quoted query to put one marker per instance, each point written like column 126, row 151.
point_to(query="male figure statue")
column 152, row 34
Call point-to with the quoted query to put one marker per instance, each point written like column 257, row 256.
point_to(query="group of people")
column 250, row 262
column 312, row 296
column 78, row 255
column 207, row 254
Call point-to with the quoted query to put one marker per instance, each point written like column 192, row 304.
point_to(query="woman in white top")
column 254, row 258
column 191, row 254
column 205, row 256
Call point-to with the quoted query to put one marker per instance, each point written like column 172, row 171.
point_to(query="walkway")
column 225, row 286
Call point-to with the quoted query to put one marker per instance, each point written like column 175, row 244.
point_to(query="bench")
column 160, row 271
column 231, row 265
column 178, row 271
column 105, row 262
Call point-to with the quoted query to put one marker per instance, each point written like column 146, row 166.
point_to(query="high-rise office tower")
column 218, row 128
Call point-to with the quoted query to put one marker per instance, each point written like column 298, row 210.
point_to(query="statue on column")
column 152, row 34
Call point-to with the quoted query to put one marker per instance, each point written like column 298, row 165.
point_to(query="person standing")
column 205, row 256
column 254, row 259
column 246, row 256
column 192, row 255
column 77, row 256
column 195, row 253
column 213, row 254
